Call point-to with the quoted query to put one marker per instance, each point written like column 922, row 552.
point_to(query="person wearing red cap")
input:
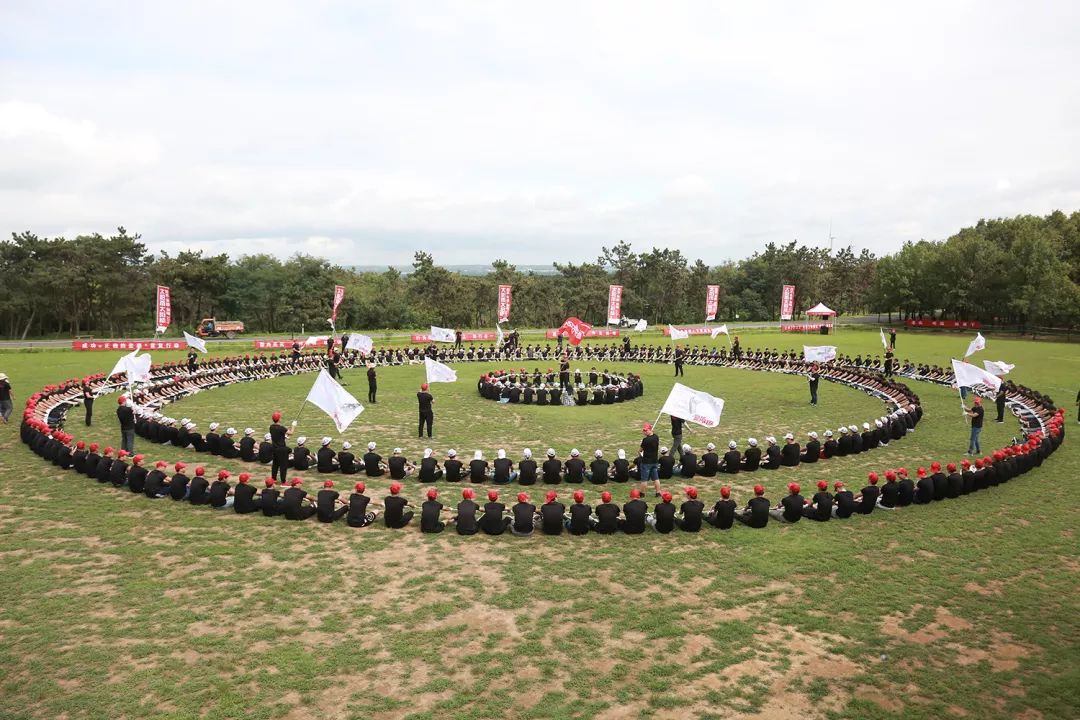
column 64, row 454
column 494, row 520
column 722, row 516
column 976, row 414
column 92, row 461
column 662, row 518
column 906, row 494
column 359, row 516
column 757, row 512
column 279, row 439
column 691, row 511
column 524, row 516
column 198, row 487
column 221, row 496
column 607, row 515
column 78, row 458
column 634, row 514
column 820, row 506
column 867, row 498
column 465, row 519
column 178, row 485
column 552, row 515
column 395, row 516
column 126, row 416
column 104, row 465
column 293, row 501
column 843, row 501
column 157, row 482
column 580, row 519
column 791, row 507
column 967, row 476
column 890, row 492
column 328, row 503
column 431, row 513
column 924, row 488
column 245, row 498
column 425, row 401
column 955, row 482
column 119, row 470
column 940, row 481
column 270, row 499
column 136, row 476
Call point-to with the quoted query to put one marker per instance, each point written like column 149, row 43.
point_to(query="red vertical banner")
column 339, row 295
column 614, row 304
column 505, row 296
column 712, row 302
column 787, row 302
column 164, row 308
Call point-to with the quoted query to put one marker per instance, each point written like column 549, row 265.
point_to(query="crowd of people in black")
column 593, row 387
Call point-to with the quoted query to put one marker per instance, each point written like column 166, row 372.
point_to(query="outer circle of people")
column 591, row 387
column 42, row 432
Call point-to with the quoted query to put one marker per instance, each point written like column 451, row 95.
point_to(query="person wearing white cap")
column 527, row 468
column 843, row 443
column 503, row 472
column 688, row 463
column 452, row 466
column 373, row 464
column 791, row 452
column 346, row 459
column 478, row 468
column 399, row 465
column 212, row 437
column 6, row 399
column 301, row 456
column 574, row 468
column 429, row 468
column 868, row 436
column 710, row 462
column 732, row 461
column 266, row 450
column 552, row 468
column 881, row 435
column 227, row 445
column 831, row 447
column 247, row 445
column 813, row 449
column 599, row 469
column 326, row 459
column 666, row 468
column 752, row 457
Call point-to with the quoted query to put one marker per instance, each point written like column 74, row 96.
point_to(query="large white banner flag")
column 884, row 342
column 316, row 341
column 677, row 334
column 197, row 343
column 693, row 406
column 641, row 326
column 997, row 367
column 361, row 343
column 722, row 330
column 968, row 375
column 439, row 334
column 334, row 400
column 135, row 366
column 819, row 353
column 979, row 343
column 438, row 372
column 498, row 335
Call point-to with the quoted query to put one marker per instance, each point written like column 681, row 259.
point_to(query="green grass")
column 114, row 606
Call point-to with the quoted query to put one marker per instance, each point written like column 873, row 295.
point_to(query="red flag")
column 164, row 308
column 614, row 304
column 505, row 296
column 787, row 302
column 575, row 330
column 712, row 302
column 339, row 295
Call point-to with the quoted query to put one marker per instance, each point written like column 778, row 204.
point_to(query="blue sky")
column 534, row 132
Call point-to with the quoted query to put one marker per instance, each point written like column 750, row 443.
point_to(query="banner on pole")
column 979, row 343
column 676, row 333
column 819, row 353
column 712, row 302
column 505, row 298
column 722, row 330
column 192, row 341
column 614, row 304
column 339, row 295
column 968, row 375
column 439, row 334
column 694, row 406
column 164, row 308
column 439, row 372
column 360, row 343
column 998, row 367
column 575, row 330
column 787, row 302
column 334, row 400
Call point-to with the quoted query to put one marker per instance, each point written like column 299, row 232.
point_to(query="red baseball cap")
column 269, row 482
column 793, row 487
column 635, row 494
column 759, row 490
column 244, row 477
column 579, row 496
column 691, row 492
column 822, row 485
column 605, row 496
column 360, row 487
column 423, row 386
column 838, row 484
column 493, row 495
column 951, row 467
column 725, row 492
column 552, row 496
column 200, row 470
column 523, row 497
column 432, row 493
column 395, row 488
column 328, row 483
column 468, row 494
column 276, row 416
column 665, row 496
column 222, row 474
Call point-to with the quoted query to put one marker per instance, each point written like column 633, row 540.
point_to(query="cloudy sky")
column 362, row 131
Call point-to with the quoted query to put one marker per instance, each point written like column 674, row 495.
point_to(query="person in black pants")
column 813, row 378
column 278, row 435
column 88, row 402
column 327, row 503
column 756, row 512
column 431, row 513
column 394, row 505
column 427, row 415
column 293, row 502
column 999, row 399
column 372, row 383
column 723, row 513
column 680, row 358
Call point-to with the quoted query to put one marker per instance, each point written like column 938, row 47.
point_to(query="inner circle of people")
column 652, row 463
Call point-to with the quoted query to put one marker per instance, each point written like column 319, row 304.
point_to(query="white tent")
column 820, row 309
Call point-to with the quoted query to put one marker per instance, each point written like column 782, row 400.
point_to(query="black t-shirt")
column 845, row 503
column 325, row 459
column 689, row 465
column 665, row 517
column 219, row 491
column 244, row 501
column 599, row 470
column 395, row 509
column 622, row 470
column 301, row 458
column 466, row 517
column 906, row 493
column 822, row 508
column 677, row 425
column 325, row 503
column 725, row 513
column 869, row 499
column 579, row 518
column 126, row 416
column 793, row 505
column 575, row 470
column 428, row 466
column 607, row 518
column 137, row 478
column 890, row 494
column 293, row 498
column 977, row 416
column 650, row 448
column 925, row 490
column 634, row 513
column 667, row 467
column 551, row 515
column 358, row 503
column 552, row 471
column 429, row 515
column 502, row 469
column 155, row 479
column 371, row 464
column 396, row 463
column 424, row 399
column 524, row 514
column 492, row 521
column 710, row 463
column 478, row 470
column 759, row 512
column 269, row 501
column 527, row 472
column 789, row 454
column 178, row 486
column 346, row 462
column 277, row 435
column 452, row 468
column 691, row 511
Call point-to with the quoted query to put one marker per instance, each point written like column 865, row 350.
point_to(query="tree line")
column 1018, row 271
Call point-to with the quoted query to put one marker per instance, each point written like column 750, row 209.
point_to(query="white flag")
column 499, row 333
column 334, row 400
column 197, row 343
column 693, row 406
column 316, row 341
column 979, row 343
column 722, row 330
column 997, row 367
column 677, row 334
column 360, row 342
column 884, row 342
column 438, row 372
column 439, row 334
column 641, row 325
column 968, row 375
column 135, row 366
column 819, row 353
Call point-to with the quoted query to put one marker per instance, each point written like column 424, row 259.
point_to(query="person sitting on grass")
column 270, row 499
column 328, row 503
column 607, row 515
column 465, row 520
column 431, row 513
column 634, row 512
column 906, row 494
column 690, row 512
column 843, row 501
column 358, row 516
column 220, row 496
column 790, row 453
column 429, row 468
column 373, row 464
column 821, row 505
column 396, row 517
column 580, row 517
column 924, row 489
column 757, row 512
column 494, row 520
column 524, row 516
column 245, row 498
column 890, row 492
column 867, row 498
column 790, row 509
column 503, row 472
column 399, row 465
column 552, row 515
column 293, row 501
column 722, row 516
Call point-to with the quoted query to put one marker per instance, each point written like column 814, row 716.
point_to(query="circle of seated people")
column 590, row 388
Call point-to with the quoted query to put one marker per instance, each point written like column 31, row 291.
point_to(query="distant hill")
column 460, row 269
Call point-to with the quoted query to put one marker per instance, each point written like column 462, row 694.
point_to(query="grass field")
column 113, row 606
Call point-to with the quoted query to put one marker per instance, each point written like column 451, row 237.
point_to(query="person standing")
column 457, row 339
column 650, row 457
column 676, row 434
column 976, row 413
column 192, row 361
column 372, row 383
column 88, row 402
column 813, row 378
column 892, row 338
column 6, row 402
column 999, row 399
column 278, row 438
column 427, row 415
column 680, row 358
column 126, row 416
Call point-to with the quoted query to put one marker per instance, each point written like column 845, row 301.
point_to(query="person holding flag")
column 975, row 412
column 425, row 400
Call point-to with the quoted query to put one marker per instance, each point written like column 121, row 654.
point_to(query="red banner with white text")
column 553, row 333
column 164, row 308
column 712, row 302
column 128, row 344
column 614, row 304
column 787, row 302
column 339, row 295
column 505, row 297
column 972, row 324
column 465, row 337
